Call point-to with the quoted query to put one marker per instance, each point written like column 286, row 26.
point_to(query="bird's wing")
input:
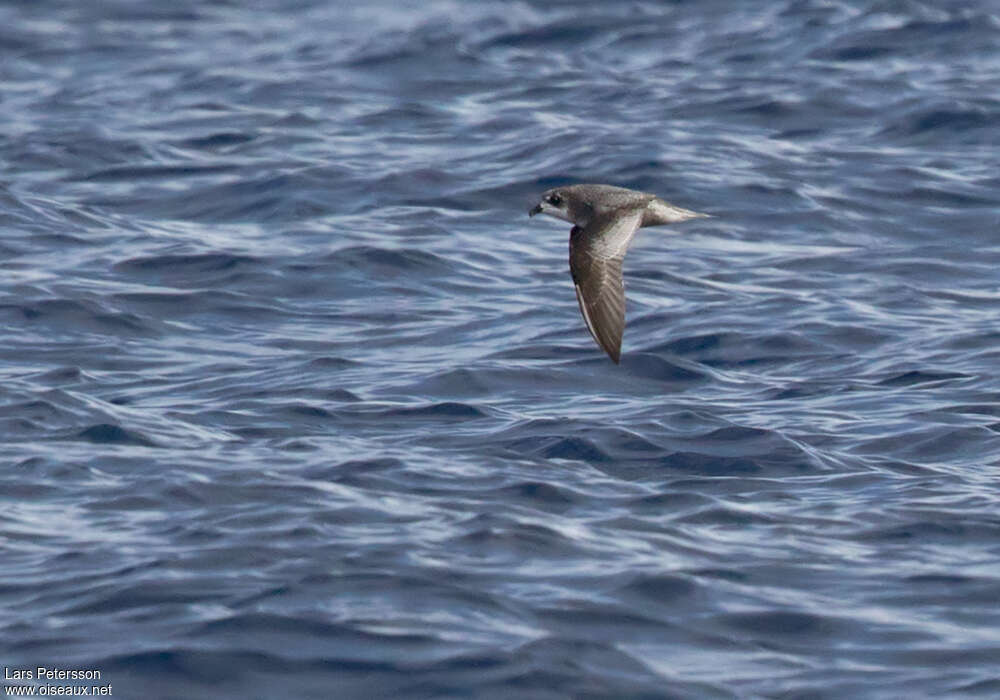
column 596, row 253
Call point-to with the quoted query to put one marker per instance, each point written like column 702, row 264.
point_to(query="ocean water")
column 296, row 402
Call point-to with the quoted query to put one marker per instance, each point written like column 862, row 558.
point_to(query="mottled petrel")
column 604, row 218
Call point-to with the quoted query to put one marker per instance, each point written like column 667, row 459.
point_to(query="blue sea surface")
column 297, row 402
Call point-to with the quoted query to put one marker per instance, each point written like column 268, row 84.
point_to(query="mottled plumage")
column 605, row 219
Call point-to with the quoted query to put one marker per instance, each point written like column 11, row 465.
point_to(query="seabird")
column 605, row 219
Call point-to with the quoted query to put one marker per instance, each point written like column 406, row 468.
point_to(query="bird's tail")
column 659, row 212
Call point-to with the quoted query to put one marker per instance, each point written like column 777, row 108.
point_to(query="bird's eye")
column 555, row 200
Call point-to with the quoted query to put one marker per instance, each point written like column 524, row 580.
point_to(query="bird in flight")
column 605, row 219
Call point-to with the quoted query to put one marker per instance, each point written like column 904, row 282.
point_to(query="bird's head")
column 558, row 203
